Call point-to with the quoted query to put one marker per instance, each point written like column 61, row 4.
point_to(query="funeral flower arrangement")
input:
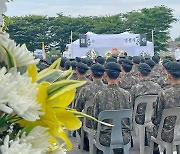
column 34, row 109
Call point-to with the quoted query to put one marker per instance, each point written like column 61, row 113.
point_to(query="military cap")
column 112, row 66
column 100, row 60
column 122, row 56
column 73, row 65
column 136, row 59
column 78, row 59
column 97, row 67
column 63, row 60
column 151, row 63
column 147, row 57
column 142, row 59
column 144, row 69
column 173, row 68
column 165, row 61
column 72, row 59
column 111, row 59
column 127, row 65
column 67, row 64
column 83, row 60
column 129, row 57
column 114, row 55
column 127, row 62
column 81, row 67
column 120, row 61
column 89, row 61
column 156, row 59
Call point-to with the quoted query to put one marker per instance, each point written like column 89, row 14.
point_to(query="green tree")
column 158, row 19
column 55, row 31
column 177, row 39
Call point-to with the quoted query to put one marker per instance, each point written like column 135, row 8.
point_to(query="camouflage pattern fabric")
column 112, row 98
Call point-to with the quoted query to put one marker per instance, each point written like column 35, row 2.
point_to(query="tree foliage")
column 55, row 31
column 177, row 39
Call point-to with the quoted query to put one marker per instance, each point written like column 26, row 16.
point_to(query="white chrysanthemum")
column 16, row 147
column 7, row 85
column 22, row 56
column 23, row 98
column 38, row 138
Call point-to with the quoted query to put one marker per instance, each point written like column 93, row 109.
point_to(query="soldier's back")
column 168, row 98
column 144, row 87
column 163, row 82
column 112, row 98
column 127, row 81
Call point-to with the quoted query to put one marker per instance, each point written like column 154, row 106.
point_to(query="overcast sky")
column 90, row 8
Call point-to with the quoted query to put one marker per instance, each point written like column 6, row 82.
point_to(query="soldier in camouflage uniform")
column 168, row 98
column 73, row 65
column 163, row 80
column 88, row 92
column 136, row 61
column 157, row 67
column 89, row 64
column 127, row 80
column 62, row 63
column 144, row 87
column 81, row 73
column 101, row 60
column 112, row 98
column 155, row 74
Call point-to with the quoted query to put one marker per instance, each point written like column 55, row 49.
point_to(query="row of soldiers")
column 114, row 83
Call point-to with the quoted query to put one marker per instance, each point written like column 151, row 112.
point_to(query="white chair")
column 90, row 132
column 116, row 132
column 176, row 140
column 84, row 129
column 148, row 100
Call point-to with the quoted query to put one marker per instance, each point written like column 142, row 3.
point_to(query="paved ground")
column 134, row 150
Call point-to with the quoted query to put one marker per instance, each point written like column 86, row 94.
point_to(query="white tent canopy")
column 126, row 42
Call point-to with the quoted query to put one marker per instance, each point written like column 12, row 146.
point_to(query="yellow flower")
column 54, row 99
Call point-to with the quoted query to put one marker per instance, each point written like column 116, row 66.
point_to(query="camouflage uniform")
column 127, row 81
column 87, row 93
column 156, row 73
column 88, row 75
column 163, row 82
column 134, row 70
column 79, row 88
column 157, row 68
column 112, row 98
column 83, row 79
column 168, row 98
column 144, row 87
column 74, row 77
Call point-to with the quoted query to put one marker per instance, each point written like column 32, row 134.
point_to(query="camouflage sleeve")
column 95, row 110
column 158, row 109
column 80, row 101
column 128, row 100
column 133, row 91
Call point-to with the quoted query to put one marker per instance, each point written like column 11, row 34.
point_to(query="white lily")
column 22, row 56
